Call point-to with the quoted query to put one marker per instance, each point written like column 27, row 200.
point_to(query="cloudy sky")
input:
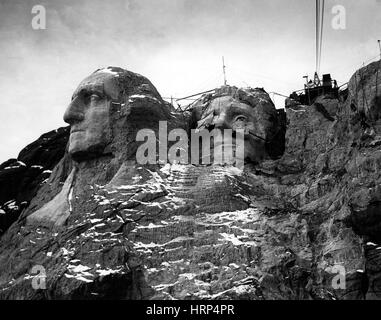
column 177, row 44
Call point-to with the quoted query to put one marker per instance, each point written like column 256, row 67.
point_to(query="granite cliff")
column 105, row 227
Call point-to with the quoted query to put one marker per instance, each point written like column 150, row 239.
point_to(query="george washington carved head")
column 106, row 111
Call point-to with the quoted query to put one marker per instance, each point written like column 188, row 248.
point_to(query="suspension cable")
column 319, row 32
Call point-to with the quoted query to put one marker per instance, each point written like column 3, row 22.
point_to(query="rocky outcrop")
column 304, row 223
column 335, row 155
column 21, row 178
column 364, row 92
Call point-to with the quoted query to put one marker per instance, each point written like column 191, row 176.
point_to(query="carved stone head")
column 248, row 109
column 107, row 108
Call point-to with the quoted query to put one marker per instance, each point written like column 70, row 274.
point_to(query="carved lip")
column 75, row 130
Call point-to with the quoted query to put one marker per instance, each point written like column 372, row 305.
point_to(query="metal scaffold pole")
column 223, row 70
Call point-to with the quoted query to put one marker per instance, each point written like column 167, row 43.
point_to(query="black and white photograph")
column 208, row 151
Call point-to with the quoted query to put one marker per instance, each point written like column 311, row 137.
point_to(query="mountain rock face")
column 301, row 222
column 21, row 178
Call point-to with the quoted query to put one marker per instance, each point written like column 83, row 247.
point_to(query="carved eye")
column 240, row 118
column 95, row 96
column 86, row 97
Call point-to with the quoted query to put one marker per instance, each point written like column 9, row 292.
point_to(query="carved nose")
column 220, row 121
column 74, row 112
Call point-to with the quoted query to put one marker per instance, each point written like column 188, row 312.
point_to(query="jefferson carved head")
column 250, row 110
column 107, row 109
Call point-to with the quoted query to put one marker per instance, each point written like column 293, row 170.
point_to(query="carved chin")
column 254, row 151
column 81, row 150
